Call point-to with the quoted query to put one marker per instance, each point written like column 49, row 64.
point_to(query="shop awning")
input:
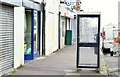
column 66, row 13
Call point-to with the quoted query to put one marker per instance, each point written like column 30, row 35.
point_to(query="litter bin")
column 68, row 40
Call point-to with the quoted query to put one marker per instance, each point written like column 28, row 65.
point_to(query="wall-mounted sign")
column 66, row 13
column 70, row 2
column 77, row 0
column 77, row 3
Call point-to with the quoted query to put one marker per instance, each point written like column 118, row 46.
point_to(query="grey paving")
column 113, row 64
column 62, row 62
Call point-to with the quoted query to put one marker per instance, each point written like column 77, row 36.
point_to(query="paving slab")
column 62, row 62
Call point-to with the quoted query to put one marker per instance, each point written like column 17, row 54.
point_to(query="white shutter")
column 6, row 38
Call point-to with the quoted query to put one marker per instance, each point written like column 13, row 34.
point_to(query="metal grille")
column 6, row 38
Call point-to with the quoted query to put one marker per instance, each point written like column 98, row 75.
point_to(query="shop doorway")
column 32, row 34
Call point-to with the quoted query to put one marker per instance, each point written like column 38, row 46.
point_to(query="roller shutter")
column 6, row 38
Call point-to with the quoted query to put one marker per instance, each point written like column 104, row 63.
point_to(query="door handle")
column 94, row 37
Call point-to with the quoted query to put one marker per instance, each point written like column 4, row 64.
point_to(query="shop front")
column 32, row 30
column 65, row 26
column 63, row 29
column 6, row 36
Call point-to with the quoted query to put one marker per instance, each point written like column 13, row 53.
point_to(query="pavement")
column 113, row 64
column 62, row 62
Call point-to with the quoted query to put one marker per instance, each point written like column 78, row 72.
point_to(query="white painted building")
column 51, row 26
column 14, row 49
column 52, row 36
column 12, row 36
column 66, row 22
column 119, row 14
column 9, row 41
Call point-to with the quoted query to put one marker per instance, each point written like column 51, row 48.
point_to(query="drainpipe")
column 59, row 29
column 43, row 28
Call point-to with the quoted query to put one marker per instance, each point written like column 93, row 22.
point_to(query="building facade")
column 7, row 17
column 50, row 27
column 19, row 33
column 30, row 28
column 66, row 19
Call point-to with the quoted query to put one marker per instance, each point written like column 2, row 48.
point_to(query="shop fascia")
column 66, row 12
column 12, row 2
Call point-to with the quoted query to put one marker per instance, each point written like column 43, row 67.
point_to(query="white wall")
column 56, row 10
column 119, row 14
column 51, row 26
column 38, row 1
column 49, row 38
column 13, row 2
column 18, row 36
column 55, row 32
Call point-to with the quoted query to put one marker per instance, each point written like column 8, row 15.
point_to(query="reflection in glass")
column 88, row 30
column 87, row 56
column 35, row 32
column 27, row 32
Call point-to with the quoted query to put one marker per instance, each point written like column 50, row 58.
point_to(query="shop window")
column 36, row 42
column 27, row 32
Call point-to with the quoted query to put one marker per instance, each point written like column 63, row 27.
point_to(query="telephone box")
column 88, row 40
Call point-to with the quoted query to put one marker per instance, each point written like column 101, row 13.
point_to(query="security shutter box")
column 6, row 38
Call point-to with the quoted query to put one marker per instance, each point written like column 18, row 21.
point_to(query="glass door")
column 35, row 31
column 36, row 34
